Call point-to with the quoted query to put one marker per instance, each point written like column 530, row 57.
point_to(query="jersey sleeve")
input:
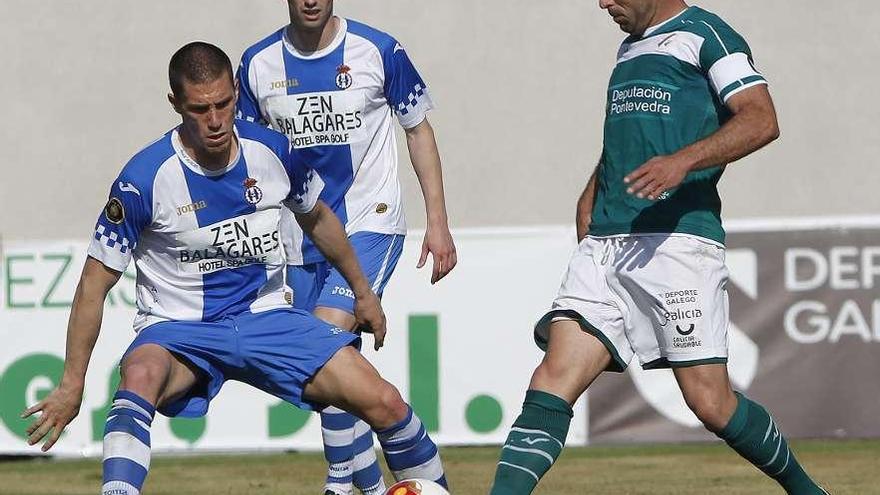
column 405, row 90
column 305, row 184
column 248, row 105
column 127, row 213
column 726, row 59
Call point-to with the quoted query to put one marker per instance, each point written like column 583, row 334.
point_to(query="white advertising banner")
column 460, row 351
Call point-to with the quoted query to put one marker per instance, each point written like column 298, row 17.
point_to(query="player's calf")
column 573, row 360
column 753, row 434
column 743, row 424
column 150, row 374
column 350, row 382
column 408, row 448
column 127, row 444
column 535, row 442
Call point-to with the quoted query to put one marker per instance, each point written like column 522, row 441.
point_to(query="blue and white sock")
column 337, row 430
column 410, row 452
column 127, row 444
column 348, row 448
column 367, row 473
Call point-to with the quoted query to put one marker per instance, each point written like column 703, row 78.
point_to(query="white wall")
column 519, row 87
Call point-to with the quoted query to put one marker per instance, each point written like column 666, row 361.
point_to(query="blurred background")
column 520, row 93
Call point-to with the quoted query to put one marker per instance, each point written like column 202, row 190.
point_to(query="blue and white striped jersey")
column 205, row 244
column 336, row 106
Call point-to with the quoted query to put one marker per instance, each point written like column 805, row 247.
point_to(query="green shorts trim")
column 663, row 363
column 542, row 335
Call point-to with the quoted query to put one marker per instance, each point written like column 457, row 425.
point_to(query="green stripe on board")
column 424, row 369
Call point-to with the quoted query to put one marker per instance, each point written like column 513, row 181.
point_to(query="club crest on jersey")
column 114, row 211
column 252, row 193
column 343, row 78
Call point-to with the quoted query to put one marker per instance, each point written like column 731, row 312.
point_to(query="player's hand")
column 657, row 176
column 438, row 242
column 370, row 317
column 56, row 412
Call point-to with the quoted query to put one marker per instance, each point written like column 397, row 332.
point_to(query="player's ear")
column 174, row 103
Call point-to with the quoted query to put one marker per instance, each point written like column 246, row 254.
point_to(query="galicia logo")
column 683, row 314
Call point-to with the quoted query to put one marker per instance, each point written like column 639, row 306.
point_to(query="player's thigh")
column 574, row 358
column 337, row 317
column 156, row 374
column 350, row 382
column 183, row 361
column 583, row 334
column 283, row 351
column 377, row 255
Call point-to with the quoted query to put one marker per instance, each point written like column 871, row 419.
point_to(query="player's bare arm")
column 425, row 159
column 752, row 126
column 584, row 213
column 326, row 231
column 62, row 405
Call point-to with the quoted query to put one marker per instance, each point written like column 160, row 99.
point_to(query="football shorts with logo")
column 277, row 351
column 660, row 297
column 320, row 284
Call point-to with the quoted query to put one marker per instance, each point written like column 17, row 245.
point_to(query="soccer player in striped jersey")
column 648, row 277
column 199, row 212
column 334, row 87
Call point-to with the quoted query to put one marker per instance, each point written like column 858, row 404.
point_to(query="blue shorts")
column 277, row 351
column 320, row 284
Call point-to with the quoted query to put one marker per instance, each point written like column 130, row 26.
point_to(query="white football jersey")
column 336, row 106
column 205, row 244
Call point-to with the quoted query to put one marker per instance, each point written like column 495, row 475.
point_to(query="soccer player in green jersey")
column 648, row 277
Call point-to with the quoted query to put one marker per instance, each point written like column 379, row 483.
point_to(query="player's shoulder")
column 254, row 50
column 142, row 168
column 720, row 39
column 380, row 39
column 269, row 138
column 708, row 25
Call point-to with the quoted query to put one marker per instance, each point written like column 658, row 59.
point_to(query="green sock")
column 533, row 445
column 753, row 434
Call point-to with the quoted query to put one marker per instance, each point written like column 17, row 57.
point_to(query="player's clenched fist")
column 56, row 412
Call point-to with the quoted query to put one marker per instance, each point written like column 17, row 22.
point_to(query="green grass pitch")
column 845, row 467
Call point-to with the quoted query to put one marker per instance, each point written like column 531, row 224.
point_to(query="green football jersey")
column 668, row 90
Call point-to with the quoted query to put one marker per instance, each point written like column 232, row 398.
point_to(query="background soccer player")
column 199, row 211
column 648, row 278
column 333, row 86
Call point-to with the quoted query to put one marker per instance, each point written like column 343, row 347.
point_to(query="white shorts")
column 658, row 296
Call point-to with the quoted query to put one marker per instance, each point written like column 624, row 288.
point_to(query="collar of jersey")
column 337, row 40
column 659, row 27
column 194, row 165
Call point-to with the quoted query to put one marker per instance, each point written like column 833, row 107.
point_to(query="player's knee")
column 390, row 408
column 145, row 378
column 555, row 371
column 711, row 408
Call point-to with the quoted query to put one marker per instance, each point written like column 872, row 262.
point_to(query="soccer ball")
column 416, row 487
